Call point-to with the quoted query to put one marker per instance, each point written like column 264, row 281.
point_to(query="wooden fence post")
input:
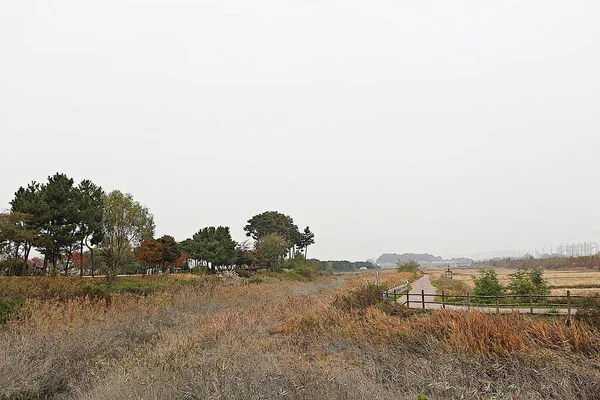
column 423, row 298
column 569, row 303
column 407, row 300
column 443, row 300
column 395, row 295
column 497, row 307
column 530, row 304
column 468, row 301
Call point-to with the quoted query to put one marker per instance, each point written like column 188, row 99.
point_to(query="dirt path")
column 422, row 284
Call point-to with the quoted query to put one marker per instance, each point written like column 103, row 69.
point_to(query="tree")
column 187, row 248
column 271, row 249
column 528, row 281
column 150, row 252
column 81, row 259
column 269, row 222
column 182, row 261
column 245, row 255
column 62, row 220
column 487, row 283
column 307, row 238
column 539, row 283
column 16, row 238
column 273, row 222
column 125, row 224
column 91, row 208
column 170, row 251
column 215, row 247
column 29, row 202
column 408, row 266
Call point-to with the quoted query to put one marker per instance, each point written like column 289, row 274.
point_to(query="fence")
column 532, row 303
column 395, row 292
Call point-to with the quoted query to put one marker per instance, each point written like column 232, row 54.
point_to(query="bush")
column 253, row 280
column 301, row 270
column 487, row 283
column 528, row 281
column 98, row 292
column 293, row 274
column 9, row 308
column 408, row 266
column 200, row 270
column 243, row 273
column 306, row 271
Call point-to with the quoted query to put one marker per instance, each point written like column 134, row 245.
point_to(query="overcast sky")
column 386, row 126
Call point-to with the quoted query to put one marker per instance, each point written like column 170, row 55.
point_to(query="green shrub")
column 299, row 269
column 99, row 291
column 487, row 284
column 253, row 280
column 293, row 275
column 528, row 281
column 9, row 308
column 306, row 271
column 243, row 273
column 200, row 270
column 408, row 266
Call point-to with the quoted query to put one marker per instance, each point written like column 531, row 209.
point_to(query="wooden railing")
column 395, row 292
column 532, row 303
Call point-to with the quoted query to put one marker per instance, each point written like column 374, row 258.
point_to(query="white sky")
column 386, row 126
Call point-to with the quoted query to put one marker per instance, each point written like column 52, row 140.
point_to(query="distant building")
column 578, row 249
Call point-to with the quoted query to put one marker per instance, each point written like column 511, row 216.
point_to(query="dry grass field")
column 579, row 282
column 281, row 339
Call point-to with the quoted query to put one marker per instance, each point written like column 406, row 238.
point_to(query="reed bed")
column 223, row 339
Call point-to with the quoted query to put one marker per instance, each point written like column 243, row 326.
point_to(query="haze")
column 389, row 126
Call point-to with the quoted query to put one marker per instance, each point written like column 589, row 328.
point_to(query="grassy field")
column 211, row 338
column 579, row 282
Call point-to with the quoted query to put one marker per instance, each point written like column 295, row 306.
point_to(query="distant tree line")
column 343, row 265
column 393, row 258
column 554, row 262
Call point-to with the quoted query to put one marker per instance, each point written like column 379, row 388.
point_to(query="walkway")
column 422, row 284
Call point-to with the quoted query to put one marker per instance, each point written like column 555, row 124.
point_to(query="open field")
column 212, row 338
column 579, row 282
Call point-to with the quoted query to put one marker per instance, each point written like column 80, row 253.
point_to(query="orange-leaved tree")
column 150, row 253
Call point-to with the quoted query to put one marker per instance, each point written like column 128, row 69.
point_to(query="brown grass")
column 225, row 340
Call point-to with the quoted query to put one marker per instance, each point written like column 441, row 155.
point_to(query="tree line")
column 552, row 262
column 80, row 226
